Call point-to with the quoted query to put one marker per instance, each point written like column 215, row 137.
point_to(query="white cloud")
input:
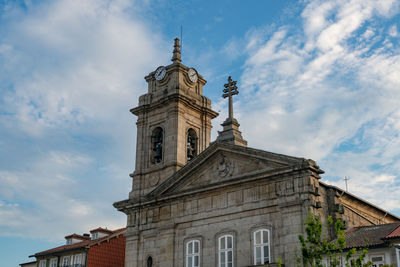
column 49, row 197
column 80, row 56
column 393, row 31
column 327, row 92
column 69, row 77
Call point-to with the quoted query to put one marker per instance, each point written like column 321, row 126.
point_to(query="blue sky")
column 317, row 79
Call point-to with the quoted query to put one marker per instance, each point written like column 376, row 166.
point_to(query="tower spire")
column 176, row 55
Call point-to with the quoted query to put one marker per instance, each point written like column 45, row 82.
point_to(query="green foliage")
column 279, row 262
column 315, row 247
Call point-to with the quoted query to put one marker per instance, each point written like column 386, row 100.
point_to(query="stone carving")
column 153, row 179
column 285, row 188
column 224, row 167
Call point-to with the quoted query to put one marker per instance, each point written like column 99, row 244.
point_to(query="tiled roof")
column 100, row 229
column 395, row 233
column 367, row 236
column 82, row 244
column 76, row 236
column 63, row 248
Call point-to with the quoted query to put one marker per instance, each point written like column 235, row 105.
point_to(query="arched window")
column 191, row 144
column 149, row 261
column 225, row 251
column 157, row 145
column 261, row 247
column 193, row 253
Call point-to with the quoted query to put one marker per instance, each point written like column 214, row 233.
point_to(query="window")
column 191, row 150
column 261, row 247
column 149, row 261
column 53, row 262
column 398, row 255
column 78, row 260
column 193, row 253
column 42, row 263
column 95, row 236
column 225, row 250
column 69, row 241
column 377, row 260
column 66, row 260
column 157, row 145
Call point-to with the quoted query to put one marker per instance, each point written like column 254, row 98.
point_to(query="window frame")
column 193, row 254
column 377, row 263
column 76, row 257
column 52, row 261
column 191, row 132
column 68, row 258
column 261, row 245
column 226, row 250
column 157, row 131
column 41, row 262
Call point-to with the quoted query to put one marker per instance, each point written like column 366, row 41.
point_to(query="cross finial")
column 229, row 91
column 176, row 55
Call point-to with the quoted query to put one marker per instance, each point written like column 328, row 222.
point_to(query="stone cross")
column 229, row 91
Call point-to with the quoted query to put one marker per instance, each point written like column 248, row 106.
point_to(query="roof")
column 27, row 263
column 76, row 236
column 100, row 229
column 369, row 236
column 395, row 233
column 342, row 191
column 80, row 245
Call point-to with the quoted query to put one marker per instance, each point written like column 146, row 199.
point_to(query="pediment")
column 221, row 163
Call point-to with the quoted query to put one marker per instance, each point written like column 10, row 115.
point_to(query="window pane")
column 258, row 252
column 196, row 261
column 230, row 264
column 229, row 242
column 190, row 248
column 190, row 263
column 222, row 243
column 258, row 238
column 266, row 252
column 265, row 236
column 196, row 247
column 222, row 257
column 230, row 258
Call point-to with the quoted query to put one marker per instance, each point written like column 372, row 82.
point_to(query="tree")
column 315, row 247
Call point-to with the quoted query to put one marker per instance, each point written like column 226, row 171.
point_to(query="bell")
column 158, row 153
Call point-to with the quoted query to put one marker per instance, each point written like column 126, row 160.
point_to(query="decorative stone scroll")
column 224, row 167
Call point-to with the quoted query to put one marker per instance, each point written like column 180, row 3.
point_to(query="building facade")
column 200, row 203
column 381, row 241
column 102, row 248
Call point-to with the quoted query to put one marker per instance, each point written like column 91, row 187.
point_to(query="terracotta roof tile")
column 81, row 237
column 82, row 244
column 365, row 236
column 100, row 229
column 395, row 233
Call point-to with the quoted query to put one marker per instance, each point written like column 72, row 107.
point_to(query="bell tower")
column 173, row 125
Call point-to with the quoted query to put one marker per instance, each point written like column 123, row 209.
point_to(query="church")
column 201, row 202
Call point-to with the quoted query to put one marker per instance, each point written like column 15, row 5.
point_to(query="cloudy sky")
column 317, row 79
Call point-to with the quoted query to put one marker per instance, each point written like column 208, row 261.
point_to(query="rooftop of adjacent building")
column 86, row 242
column 372, row 236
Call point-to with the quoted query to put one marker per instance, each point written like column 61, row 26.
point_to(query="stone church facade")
column 200, row 203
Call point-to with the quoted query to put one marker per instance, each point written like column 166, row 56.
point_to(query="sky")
column 317, row 79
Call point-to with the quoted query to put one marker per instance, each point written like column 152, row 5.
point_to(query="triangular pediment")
column 221, row 164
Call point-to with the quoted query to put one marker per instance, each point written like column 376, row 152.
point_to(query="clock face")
column 160, row 73
column 192, row 73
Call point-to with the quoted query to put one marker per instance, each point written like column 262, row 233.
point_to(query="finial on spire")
column 229, row 91
column 231, row 133
column 176, row 56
